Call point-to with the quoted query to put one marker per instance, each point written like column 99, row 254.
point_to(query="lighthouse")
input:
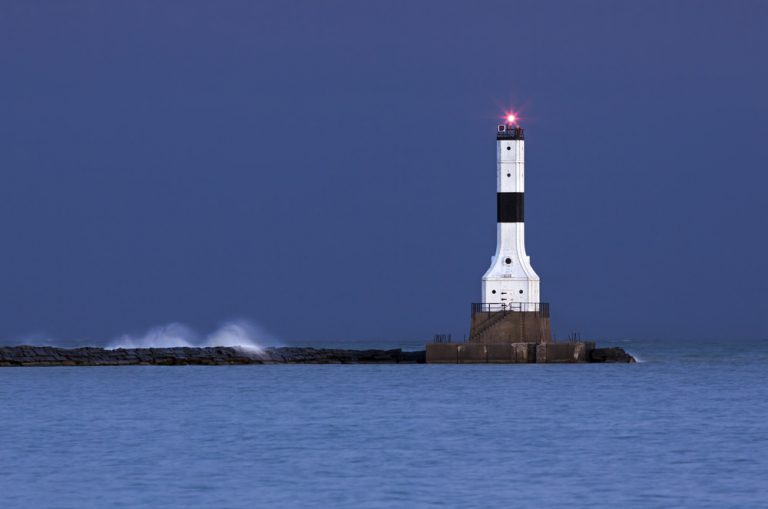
column 511, row 310
column 510, row 324
column 510, row 283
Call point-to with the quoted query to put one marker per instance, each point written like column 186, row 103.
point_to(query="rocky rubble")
column 614, row 354
column 89, row 356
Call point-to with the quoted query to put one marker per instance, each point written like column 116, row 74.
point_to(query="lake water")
column 686, row 428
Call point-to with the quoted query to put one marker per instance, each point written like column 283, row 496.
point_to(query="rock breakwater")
column 90, row 356
column 11, row 356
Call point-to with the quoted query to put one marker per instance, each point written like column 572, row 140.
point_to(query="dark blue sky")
column 327, row 169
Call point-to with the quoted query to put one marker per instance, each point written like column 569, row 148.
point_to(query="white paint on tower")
column 511, row 282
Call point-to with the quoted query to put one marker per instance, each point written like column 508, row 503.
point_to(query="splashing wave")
column 238, row 334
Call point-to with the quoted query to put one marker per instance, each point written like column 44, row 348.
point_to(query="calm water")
column 686, row 428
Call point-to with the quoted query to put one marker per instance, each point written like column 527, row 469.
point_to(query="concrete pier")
column 523, row 353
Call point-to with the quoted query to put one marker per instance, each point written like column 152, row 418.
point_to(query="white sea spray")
column 241, row 334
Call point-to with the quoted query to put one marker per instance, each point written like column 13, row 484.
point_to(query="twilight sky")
column 327, row 169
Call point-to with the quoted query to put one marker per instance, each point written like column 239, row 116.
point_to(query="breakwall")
column 436, row 353
column 52, row 356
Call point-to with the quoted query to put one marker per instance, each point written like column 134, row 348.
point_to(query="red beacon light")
column 510, row 129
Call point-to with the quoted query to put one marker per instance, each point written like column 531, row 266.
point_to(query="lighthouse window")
column 493, row 291
column 508, row 261
column 521, row 291
column 509, row 148
column 509, row 174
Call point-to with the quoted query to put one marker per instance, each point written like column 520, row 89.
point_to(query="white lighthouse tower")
column 510, row 283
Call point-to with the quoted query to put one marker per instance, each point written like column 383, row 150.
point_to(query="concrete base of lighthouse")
column 517, row 337
column 510, row 353
column 510, row 327
column 501, row 335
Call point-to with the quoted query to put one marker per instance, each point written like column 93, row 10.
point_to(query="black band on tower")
column 509, row 207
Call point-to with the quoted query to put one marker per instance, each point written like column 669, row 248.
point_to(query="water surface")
column 685, row 428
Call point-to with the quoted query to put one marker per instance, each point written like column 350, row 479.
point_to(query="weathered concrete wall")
column 510, row 327
column 519, row 353
column 499, row 353
column 564, row 352
column 443, row 353
column 514, row 353
column 472, row 353
column 479, row 353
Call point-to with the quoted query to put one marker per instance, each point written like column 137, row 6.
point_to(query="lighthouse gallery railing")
column 542, row 308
